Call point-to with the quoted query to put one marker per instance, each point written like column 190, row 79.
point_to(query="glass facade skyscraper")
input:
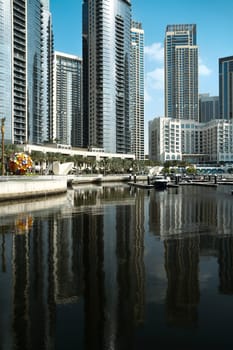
column 25, row 47
column 106, row 74
column 47, row 72
column 137, row 91
column 226, row 87
column 181, row 72
column 208, row 108
column 68, row 99
column 6, row 84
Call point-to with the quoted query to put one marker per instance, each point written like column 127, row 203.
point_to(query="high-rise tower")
column 25, row 66
column 47, row 72
column 181, row 72
column 106, row 70
column 226, row 87
column 137, row 90
column 67, row 101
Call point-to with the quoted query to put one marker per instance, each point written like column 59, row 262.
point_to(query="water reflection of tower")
column 93, row 257
column 130, row 271
column 33, row 295
column 181, row 263
column 21, row 320
column 68, row 259
column 225, row 260
column 186, row 211
column 138, row 268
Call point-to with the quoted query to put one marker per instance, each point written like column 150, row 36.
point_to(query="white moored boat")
column 160, row 182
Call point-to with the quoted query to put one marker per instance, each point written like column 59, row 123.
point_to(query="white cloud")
column 147, row 96
column 155, row 52
column 155, row 79
column 203, row 69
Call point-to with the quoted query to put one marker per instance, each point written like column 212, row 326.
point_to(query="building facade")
column 226, row 87
column 165, row 139
column 195, row 142
column 47, row 72
column 106, row 74
column 208, row 108
column 25, row 64
column 67, row 99
column 181, row 72
column 137, row 90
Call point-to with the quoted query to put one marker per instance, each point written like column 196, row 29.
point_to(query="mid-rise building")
column 165, row 139
column 67, row 118
column 181, row 72
column 106, row 74
column 25, row 67
column 137, row 90
column 210, row 142
column 208, row 108
column 226, row 87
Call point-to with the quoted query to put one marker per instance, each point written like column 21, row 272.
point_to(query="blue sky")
column 214, row 20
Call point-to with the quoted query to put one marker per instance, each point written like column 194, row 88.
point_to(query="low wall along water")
column 24, row 187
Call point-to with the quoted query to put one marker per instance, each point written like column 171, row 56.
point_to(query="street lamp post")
column 3, row 131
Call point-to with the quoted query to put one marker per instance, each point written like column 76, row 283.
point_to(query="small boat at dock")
column 160, row 182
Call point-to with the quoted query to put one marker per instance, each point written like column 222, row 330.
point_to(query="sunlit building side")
column 181, row 72
column 106, row 74
column 137, row 90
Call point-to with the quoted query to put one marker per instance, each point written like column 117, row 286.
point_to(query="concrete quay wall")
column 25, row 187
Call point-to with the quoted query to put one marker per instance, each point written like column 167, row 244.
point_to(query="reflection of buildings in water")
column 181, row 264
column 64, row 257
column 94, row 292
column 192, row 211
column 68, row 259
column 130, row 270
column 225, row 260
column 31, row 207
column 33, row 287
column 113, row 274
column 138, row 260
column 101, row 195
column 47, row 267
column 21, row 285
column 220, row 247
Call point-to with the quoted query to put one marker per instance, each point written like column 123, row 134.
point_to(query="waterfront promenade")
column 20, row 187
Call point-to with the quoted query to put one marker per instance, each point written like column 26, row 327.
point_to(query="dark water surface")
column 113, row 268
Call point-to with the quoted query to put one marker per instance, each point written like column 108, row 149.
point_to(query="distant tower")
column 137, row 91
column 226, row 88
column 47, row 72
column 181, row 72
column 208, row 108
column 106, row 70
column 68, row 97
column 25, row 68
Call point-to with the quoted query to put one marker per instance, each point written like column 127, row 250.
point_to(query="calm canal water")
column 117, row 268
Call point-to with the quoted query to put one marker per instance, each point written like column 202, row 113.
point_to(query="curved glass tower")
column 106, row 69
